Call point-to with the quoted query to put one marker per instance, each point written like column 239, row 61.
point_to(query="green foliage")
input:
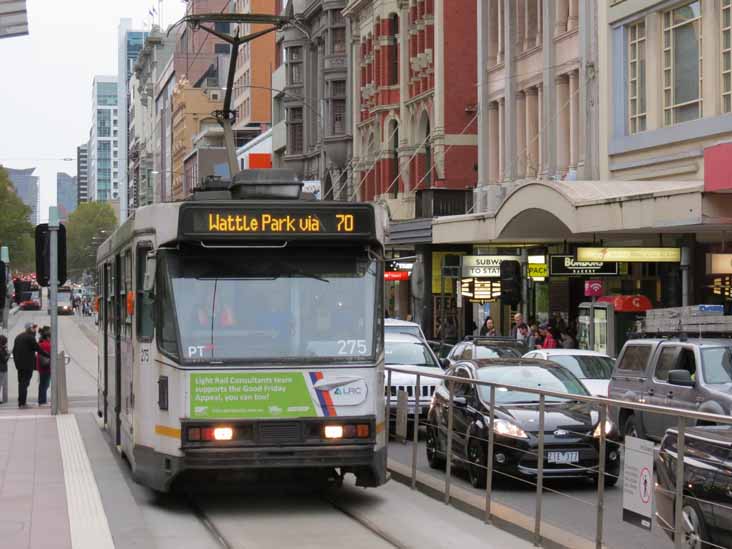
column 16, row 231
column 88, row 226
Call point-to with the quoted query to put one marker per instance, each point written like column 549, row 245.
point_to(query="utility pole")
column 53, row 304
column 5, row 313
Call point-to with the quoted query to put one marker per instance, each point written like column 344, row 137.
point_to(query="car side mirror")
column 460, row 401
column 681, row 378
column 445, row 363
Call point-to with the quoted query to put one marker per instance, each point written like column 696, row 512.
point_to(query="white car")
column 396, row 326
column 409, row 352
column 592, row 368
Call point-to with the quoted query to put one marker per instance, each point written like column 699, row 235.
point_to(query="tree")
column 88, row 226
column 16, row 230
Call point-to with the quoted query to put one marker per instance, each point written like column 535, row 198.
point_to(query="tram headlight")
column 334, row 431
column 223, row 433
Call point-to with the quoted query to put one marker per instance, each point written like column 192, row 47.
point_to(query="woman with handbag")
column 43, row 365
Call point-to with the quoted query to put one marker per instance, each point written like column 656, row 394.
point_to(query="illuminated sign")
column 567, row 265
column 480, row 290
column 630, row 255
column 538, row 270
column 486, row 266
column 283, row 221
column 719, row 263
column 396, row 275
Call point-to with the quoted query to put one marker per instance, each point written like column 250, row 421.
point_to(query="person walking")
column 488, row 329
column 518, row 320
column 25, row 348
column 548, row 335
column 4, row 357
column 43, row 365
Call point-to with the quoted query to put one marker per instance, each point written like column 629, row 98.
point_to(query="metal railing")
column 603, row 406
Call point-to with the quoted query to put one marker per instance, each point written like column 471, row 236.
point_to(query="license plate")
column 562, row 457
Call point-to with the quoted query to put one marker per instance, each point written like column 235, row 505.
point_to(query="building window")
column 295, row 127
column 294, row 61
column 394, row 51
column 221, row 48
column 726, row 55
column 637, row 77
column 682, row 61
column 339, row 40
column 338, row 107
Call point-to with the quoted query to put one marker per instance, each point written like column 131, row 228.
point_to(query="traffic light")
column 510, row 282
column 43, row 254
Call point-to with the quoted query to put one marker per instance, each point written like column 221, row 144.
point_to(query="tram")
column 241, row 331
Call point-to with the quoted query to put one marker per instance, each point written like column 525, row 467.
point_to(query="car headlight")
column 609, row 426
column 508, row 429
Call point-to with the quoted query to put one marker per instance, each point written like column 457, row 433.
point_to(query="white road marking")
column 87, row 519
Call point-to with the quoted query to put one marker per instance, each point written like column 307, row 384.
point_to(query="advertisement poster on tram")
column 638, row 482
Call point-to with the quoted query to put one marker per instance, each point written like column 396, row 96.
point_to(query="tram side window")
column 165, row 319
column 144, row 301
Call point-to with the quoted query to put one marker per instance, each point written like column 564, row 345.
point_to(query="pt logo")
column 195, row 351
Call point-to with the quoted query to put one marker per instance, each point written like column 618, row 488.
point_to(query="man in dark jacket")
column 24, row 355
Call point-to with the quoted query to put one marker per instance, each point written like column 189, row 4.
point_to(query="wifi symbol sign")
column 593, row 288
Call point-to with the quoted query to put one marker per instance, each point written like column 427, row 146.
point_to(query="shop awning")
column 581, row 210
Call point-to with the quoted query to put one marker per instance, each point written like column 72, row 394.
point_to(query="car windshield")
column 272, row 305
column 531, row 377
column 717, row 365
column 496, row 351
column 412, row 353
column 585, row 366
column 411, row 330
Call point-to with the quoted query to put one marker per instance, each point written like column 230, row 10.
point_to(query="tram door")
column 118, row 302
column 104, row 312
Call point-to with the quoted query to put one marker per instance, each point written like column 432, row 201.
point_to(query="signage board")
column 485, row 266
column 394, row 276
column 396, row 265
column 719, row 263
column 538, row 270
column 638, row 482
column 202, row 221
column 567, row 265
column 477, row 289
column 593, row 288
column 630, row 255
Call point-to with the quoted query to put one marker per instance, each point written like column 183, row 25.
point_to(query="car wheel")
column 630, row 428
column 694, row 527
column 434, row 457
column 477, row 464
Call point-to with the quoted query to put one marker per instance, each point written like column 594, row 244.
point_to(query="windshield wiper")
column 295, row 271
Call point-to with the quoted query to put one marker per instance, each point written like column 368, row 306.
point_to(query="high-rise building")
column 82, row 173
column 104, row 141
column 66, row 194
column 26, row 187
column 130, row 44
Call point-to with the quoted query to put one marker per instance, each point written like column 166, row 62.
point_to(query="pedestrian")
column 25, row 348
column 4, row 357
column 488, row 329
column 568, row 341
column 522, row 333
column 518, row 319
column 535, row 339
column 43, row 365
column 549, row 341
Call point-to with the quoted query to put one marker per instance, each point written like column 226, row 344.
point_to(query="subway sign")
column 295, row 220
column 567, row 265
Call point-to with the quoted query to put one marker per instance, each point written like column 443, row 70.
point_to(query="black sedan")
column 707, row 506
column 571, row 428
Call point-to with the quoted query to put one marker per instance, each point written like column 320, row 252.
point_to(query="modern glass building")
column 26, row 187
column 82, row 173
column 104, row 141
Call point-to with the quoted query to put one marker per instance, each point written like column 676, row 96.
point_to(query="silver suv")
column 692, row 375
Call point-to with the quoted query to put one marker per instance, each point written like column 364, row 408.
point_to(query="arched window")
column 394, row 50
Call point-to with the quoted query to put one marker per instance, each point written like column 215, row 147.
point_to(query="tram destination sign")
column 567, row 265
column 276, row 221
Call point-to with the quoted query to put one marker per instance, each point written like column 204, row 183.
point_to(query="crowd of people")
column 554, row 334
column 31, row 353
column 83, row 305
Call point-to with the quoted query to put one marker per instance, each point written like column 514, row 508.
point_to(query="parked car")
column 442, row 350
column 487, row 347
column 396, row 326
column 688, row 374
column 707, row 507
column 411, row 353
column 572, row 429
column 593, row 369
column 31, row 301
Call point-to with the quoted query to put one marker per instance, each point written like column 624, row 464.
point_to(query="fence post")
column 539, row 474
column 448, row 451
column 601, row 478
column 388, row 406
column 415, row 434
column 489, row 458
column 679, row 510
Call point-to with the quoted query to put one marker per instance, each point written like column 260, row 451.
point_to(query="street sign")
column 567, row 265
column 593, row 288
column 638, row 482
column 538, row 270
column 484, row 266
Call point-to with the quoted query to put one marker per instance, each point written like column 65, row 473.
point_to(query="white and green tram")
column 238, row 335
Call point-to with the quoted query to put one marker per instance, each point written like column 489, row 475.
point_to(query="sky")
column 46, row 83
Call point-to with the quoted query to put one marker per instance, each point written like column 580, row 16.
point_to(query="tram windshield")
column 271, row 305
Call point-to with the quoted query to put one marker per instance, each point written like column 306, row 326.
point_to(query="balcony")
column 440, row 202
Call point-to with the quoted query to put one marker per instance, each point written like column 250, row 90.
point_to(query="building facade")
column 104, row 141
column 311, row 115
column 66, row 194
column 26, row 187
column 129, row 45
column 252, row 99
column 82, row 173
